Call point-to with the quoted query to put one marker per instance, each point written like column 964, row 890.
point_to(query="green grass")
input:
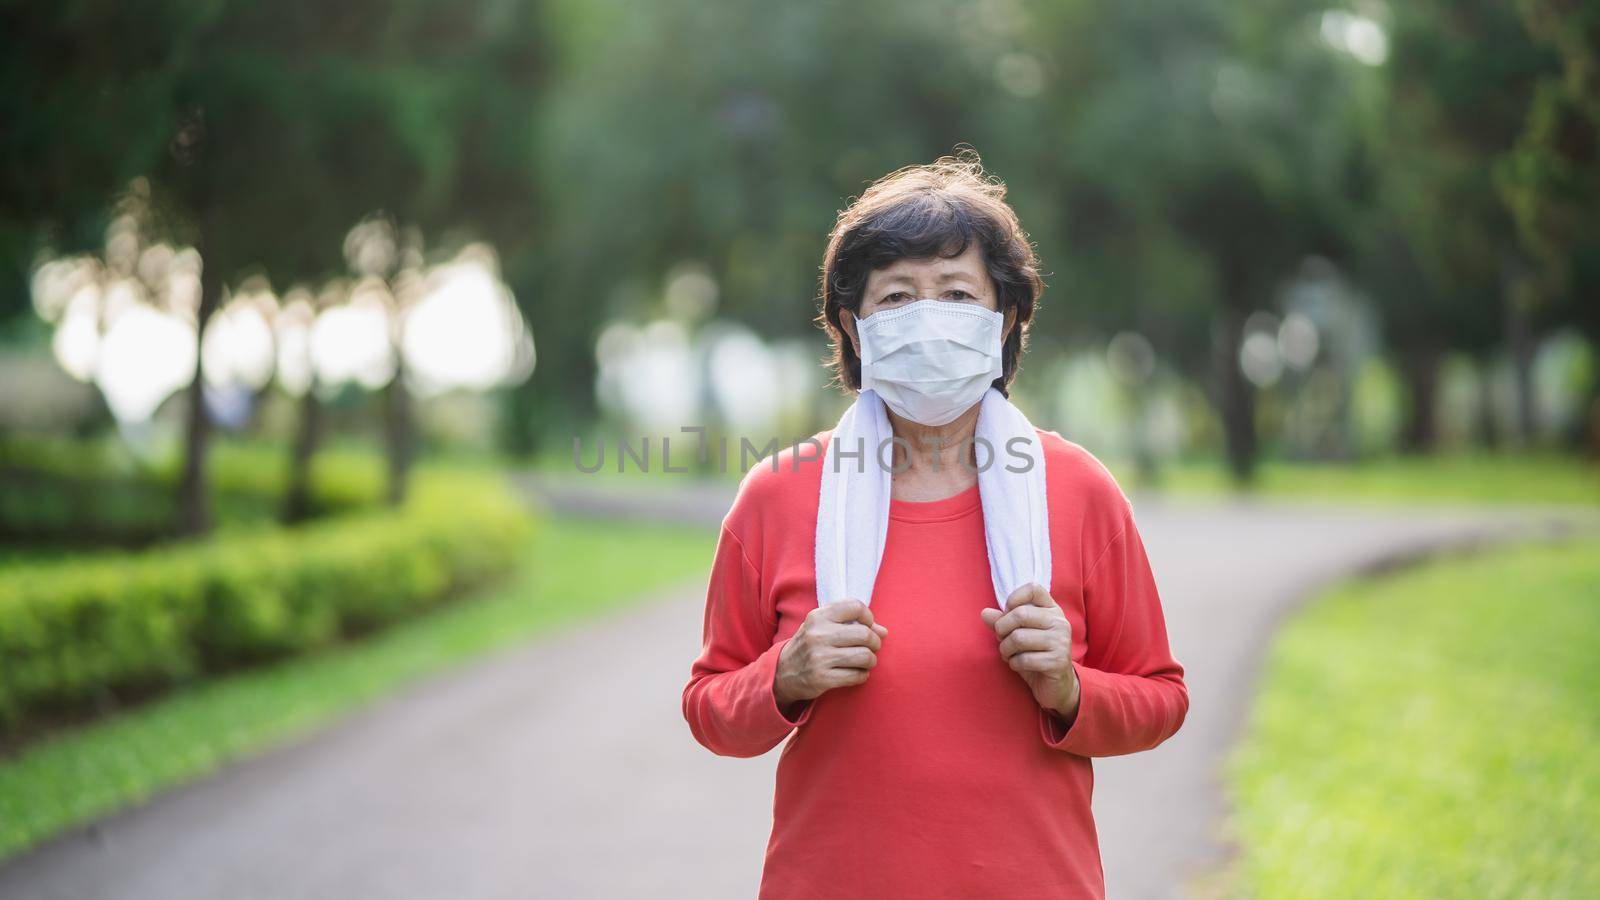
column 574, row 569
column 1432, row 734
column 1463, row 479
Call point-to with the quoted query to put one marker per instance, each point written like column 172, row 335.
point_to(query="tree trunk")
column 1147, row 469
column 1591, row 422
column 1586, row 430
column 297, row 502
column 1521, row 291
column 1522, row 349
column 1236, row 401
column 1420, row 369
column 1488, row 433
column 397, row 432
column 194, row 495
column 1519, row 334
column 521, row 437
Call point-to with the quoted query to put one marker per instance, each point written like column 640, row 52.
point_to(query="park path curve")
column 563, row 769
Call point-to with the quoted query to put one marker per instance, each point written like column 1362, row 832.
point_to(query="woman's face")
column 959, row 279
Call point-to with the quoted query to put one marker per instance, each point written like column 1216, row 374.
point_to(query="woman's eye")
column 961, row 295
column 896, row 296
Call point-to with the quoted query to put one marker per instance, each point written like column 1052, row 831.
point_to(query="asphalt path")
column 563, row 769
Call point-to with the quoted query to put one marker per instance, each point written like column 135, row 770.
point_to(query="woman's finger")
column 1023, row 617
column 851, row 611
column 846, row 611
column 1030, row 594
column 1046, row 662
column 854, row 634
column 853, row 658
column 1025, row 639
column 835, row 678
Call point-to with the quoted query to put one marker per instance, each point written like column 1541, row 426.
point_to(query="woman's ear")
column 847, row 324
column 1005, row 327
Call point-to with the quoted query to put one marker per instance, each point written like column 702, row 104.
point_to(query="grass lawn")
column 1464, row 479
column 1432, row 734
column 574, row 569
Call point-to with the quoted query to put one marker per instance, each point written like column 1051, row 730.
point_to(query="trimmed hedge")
column 96, row 493
column 83, row 632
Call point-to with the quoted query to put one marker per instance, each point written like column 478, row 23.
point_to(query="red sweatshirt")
column 940, row 776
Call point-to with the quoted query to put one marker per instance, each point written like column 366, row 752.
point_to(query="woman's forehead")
column 968, row 265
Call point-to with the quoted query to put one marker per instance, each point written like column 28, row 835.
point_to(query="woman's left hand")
column 1036, row 641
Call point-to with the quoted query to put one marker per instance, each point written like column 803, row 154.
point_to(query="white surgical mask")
column 930, row 360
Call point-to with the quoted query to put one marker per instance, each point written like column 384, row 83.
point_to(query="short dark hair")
column 919, row 212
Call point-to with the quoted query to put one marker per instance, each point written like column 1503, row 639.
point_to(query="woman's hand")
column 1036, row 641
column 836, row 646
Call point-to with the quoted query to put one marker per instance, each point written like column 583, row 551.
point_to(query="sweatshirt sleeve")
column 1132, row 696
column 729, row 701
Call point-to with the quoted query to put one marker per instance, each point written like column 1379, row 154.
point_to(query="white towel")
column 853, row 509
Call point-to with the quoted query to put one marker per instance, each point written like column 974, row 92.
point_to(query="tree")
column 1551, row 179
column 1455, row 94
column 83, row 92
column 263, row 132
column 287, row 132
column 1206, row 155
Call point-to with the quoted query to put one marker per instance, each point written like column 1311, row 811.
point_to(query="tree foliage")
column 1174, row 161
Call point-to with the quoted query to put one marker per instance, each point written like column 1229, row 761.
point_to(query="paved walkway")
column 564, row 769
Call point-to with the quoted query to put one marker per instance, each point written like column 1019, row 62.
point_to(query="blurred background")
column 1272, row 231
column 304, row 306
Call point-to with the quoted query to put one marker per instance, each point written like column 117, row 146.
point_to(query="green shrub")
column 80, row 632
column 87, row 493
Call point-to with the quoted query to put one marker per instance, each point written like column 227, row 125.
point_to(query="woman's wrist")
column 782, row 692
column 780, row 696
column 791, row 707
column 1071, row 695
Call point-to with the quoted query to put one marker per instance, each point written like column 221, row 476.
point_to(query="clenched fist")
column 1036, row 641
column 836, row 646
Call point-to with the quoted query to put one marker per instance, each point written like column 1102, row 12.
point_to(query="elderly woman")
column 950, row 611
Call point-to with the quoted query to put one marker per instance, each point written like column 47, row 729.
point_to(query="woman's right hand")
column 836, row 646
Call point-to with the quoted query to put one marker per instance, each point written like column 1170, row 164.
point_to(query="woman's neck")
column 934, row 461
